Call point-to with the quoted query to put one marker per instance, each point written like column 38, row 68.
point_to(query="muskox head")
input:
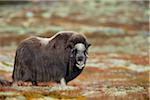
column 80, row 54
column 78, row 50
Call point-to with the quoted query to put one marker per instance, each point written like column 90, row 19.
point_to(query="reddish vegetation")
column 136, row 59
column 143, row 60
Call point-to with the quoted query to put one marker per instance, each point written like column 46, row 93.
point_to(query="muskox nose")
column 80, row 58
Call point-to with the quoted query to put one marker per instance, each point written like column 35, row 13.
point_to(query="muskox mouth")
column 80, row 64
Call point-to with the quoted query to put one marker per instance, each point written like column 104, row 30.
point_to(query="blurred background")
column 118, row 64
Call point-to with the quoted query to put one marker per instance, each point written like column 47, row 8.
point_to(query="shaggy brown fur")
column 43, row 60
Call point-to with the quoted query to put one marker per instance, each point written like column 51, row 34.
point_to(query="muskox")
column 60, row 58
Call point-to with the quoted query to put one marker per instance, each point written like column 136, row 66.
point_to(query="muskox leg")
column 28, row 77
column 21, row 83
column 21, row 73
column 23, row 78
column 63, row 82
column 34, row 83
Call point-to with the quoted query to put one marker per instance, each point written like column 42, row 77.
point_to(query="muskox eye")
column 73, row 52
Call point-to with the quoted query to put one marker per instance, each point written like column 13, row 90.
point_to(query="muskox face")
column 79, row 53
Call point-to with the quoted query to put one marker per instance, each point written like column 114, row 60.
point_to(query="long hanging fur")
column 37, row 61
